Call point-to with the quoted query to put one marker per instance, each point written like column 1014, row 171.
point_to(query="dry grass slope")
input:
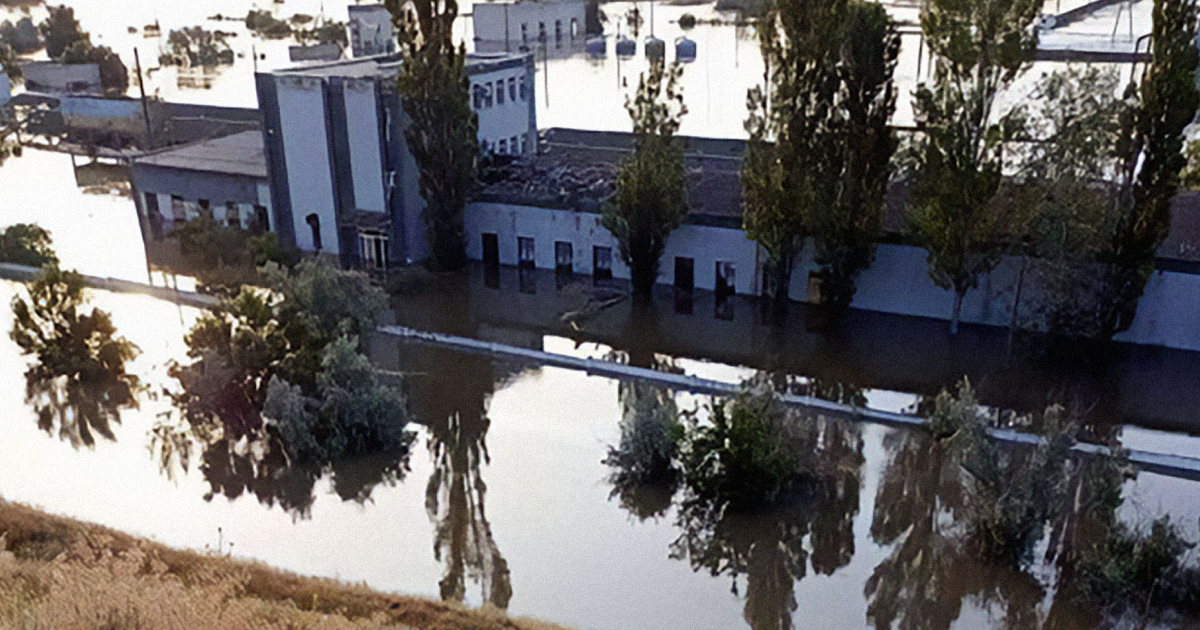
column 61, row 574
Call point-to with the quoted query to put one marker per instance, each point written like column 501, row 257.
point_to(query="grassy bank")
column 63, row 574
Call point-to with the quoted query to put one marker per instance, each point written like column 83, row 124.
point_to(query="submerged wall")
column 898, row 281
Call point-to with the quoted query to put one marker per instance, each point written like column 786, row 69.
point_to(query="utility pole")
column 142, row 88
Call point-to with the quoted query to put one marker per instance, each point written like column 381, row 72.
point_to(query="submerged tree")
column 820, row 147
column 956, row 210
column 283, row 371
column 1153, row 158
column 644, row 473
column 651, row 196
column 78, row 384
column 68, row 43
column 768, row 492
column 442, row 131
column 27, row 244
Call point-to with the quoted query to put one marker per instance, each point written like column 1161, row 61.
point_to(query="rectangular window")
column 685, row 273
column 542, row 32
column 524, row 145
column 601, row 263
column 177, row 210
column 726, row 283
column 524, row 33
column 488, row 99
column 512, row 144
column 512, row 89
column 262, row 219
column 500, row 92
column 525, row 252
column 558, row 31
column 154, row 216
column 478, row 94
column 524, row 88
column 373, row 247
column 231, row 215
column 563, row 257
column 491, row 250
column 503, row 146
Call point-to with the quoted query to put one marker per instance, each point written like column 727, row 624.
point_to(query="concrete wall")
column 57, row 78
column 897, row 283
column 509, row 25
column 306, row 150
column 363, row 128
column 370, row 29
column 514, row 118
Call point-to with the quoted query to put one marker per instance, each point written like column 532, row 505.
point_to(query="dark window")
column 685, row 276
column 262, row 219
column 177, row 210
column 525, row 252
column 524, row 145
column 524, row 34
column 231, row 214
column 524, row 87
column 500, row 92
column 478, row 94
column 204, row 205
column 512, row 89
column 726, row 279
column 563, row 257
column 314, row 223
column 542, row 32
column 491, row 250
column 154, row 216
column 503, row 146
column 601, row 263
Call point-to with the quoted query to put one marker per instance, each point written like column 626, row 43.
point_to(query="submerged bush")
column 27, row 244
column 1136, row 571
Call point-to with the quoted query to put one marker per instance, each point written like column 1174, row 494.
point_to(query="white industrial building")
column 342, row 179
column 523, row 24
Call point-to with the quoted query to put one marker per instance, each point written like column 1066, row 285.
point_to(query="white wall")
column 489, row 20
column 706, row 245
column 509, row 119
column 362, row 122
column 310, row 184
column 897, row 282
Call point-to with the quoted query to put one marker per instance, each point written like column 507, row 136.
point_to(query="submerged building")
column 513, row 25
column 342, row 179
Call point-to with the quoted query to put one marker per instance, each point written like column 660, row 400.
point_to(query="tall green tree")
column 818, row 160
column 845, row 232
column 442, row 131
column 60, row 29
column 956, row 209
column 78, row 385
column 1167, row 102
column 651, row 196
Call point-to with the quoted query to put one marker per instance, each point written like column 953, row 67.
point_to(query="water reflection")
column 449, row 395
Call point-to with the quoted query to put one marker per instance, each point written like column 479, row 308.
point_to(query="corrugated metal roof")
column 238, row 154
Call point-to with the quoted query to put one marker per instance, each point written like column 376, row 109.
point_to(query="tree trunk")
column 958, row 299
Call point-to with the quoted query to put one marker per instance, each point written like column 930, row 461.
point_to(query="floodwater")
column 574, row 89
column 506, row 498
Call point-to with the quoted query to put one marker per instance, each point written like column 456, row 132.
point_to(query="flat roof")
column 238, row 154
column 386, row 64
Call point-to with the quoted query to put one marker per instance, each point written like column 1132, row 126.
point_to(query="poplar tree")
column 442, row 132
column 956, row 212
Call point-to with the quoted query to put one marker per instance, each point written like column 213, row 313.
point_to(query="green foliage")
column 818, row 160
column 225, row 258
column 651, row 192
column 1128, row 570
column 22, row 37
column 980, row 46
column 1153, row 157
column 262, row 23
column 324, row 32
column 27, row 244
column 8, row 63
column 644, row 475
column 282, row 368
column 197, row 47
column 60, row 30
column 442, row 131
column 78, row 383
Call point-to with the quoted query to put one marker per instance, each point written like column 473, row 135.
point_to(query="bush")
column 27, row 244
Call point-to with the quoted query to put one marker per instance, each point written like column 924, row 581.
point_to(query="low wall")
column 897, row 282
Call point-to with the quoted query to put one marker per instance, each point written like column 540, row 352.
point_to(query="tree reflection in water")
column 762, row 486
column 450, row 399
column 1008, row 526
column 78, row 383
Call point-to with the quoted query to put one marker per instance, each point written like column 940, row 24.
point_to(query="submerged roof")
column 577, row 170
column 238, row 154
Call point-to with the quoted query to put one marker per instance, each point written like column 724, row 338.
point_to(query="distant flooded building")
column 52, row 77
column 370, row 29
column 224, row 177
column 342, row 179
column 511, row 26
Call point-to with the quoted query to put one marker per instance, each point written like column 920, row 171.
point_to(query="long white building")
column 505, row 25
column 342, row 179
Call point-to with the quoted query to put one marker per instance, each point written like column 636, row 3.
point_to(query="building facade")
column 370, row 29
column 342, row 179
column 511, row 26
